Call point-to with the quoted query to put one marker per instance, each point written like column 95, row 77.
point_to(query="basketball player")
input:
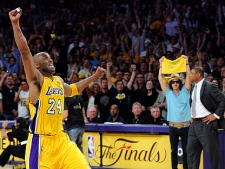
column 48, row 146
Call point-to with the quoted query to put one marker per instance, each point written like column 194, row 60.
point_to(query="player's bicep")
column 67, row 89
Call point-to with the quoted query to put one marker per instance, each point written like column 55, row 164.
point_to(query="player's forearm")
column 21, row 41
column 81, row 85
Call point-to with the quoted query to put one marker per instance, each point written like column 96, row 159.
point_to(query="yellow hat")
column 174, row 76
column 82, row 76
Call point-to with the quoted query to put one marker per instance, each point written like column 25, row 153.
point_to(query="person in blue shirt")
column 11, row 66
column 178, row 110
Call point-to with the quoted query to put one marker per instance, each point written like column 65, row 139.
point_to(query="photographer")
column 20, row 132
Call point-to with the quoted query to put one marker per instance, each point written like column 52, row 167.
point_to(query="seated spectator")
column 210, row 77
column 155, row 116
column 161, row 102
column 138, row 117
column 115, row 117
column 92, row 115
column 223, row 85
column 20, row 133
column 216, row 82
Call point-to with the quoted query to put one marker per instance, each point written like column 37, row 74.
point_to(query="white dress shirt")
column 200, row 110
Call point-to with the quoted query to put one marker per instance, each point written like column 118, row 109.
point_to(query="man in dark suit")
column 207, row 107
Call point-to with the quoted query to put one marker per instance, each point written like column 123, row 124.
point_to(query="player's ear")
column 37, row 66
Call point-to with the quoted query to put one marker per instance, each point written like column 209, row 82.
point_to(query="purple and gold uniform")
column 48, row 146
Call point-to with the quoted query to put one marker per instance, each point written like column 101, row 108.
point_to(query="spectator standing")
column 139, row 87
column 126, row 77
column 149, row 97
column 8, row 93
column 11, row 66
column 96, row 58
column 74, row 112
column 207, row 106
column 92, row 91
column 178, row 110
column 22, row 98
column 119, row 94
column 16, row 80
column 102, row 100
column 85, row 68
column 144, row 69
column 72, row 65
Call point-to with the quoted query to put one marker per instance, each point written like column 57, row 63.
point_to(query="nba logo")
column 91, row 147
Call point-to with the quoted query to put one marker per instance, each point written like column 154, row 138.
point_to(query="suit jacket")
column 214, row 101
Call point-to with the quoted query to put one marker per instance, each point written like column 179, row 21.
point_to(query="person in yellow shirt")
column 48, row 146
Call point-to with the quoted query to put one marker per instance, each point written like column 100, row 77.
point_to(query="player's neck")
column 50, row 76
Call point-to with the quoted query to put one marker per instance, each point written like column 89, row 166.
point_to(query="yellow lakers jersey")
column 47, row 113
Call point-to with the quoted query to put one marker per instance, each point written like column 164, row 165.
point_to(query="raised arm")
column 21, row 42
column 3, row 79
column 218, row 42
column 131, row 81
column 161, row 81
column 188, row 72
column 17, row 95
column 81, row 85
column 108, row 75
column 72, row 75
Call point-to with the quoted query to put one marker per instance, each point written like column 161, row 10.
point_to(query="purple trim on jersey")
column 33, row 122
column 34, row 152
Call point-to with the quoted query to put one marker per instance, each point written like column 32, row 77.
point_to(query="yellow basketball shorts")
column 51, row 152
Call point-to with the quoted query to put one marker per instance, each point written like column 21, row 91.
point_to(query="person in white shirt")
column 22, row 98
column 207, row 107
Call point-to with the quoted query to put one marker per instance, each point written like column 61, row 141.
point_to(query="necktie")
column 193, row 106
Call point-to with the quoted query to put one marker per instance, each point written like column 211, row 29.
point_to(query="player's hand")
column 100, row 72
column 15, row 14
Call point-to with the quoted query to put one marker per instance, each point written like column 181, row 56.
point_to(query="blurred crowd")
column 126, row 37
